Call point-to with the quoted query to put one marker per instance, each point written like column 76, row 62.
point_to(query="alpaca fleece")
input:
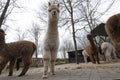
column 109, row 51
column 51, row 41
column 112, row 28
column 92, row 50
column 9, row 52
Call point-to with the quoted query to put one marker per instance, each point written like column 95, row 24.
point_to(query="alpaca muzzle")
column 54, row 13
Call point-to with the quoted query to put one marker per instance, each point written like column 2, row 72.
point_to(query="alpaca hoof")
column 94, row 62
column 44, row 76
column 53, row 74
column 9, row 75
column 20, row 75
column 98, row 62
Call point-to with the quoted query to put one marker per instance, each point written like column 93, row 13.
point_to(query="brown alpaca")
column 11, row 51
column 92, row 50
column 112, row 28
column 51, row 41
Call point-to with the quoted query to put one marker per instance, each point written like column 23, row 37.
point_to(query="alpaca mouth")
column 54, row 13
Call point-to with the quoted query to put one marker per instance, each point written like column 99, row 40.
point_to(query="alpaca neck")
column 52, row 26
column 92, row 44
column 94, row 47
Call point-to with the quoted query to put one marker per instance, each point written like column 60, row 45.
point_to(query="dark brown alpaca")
column 11, row 51
column 112, row 28
column 92, row 50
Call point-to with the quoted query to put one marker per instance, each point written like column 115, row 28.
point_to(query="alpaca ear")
column 58, row 5
column 49, row 4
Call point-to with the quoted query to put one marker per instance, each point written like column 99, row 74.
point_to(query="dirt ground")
column 82, row 71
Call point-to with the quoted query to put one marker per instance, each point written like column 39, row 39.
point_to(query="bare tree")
column 70, row 7
column 20, row 34
column 88, row 10
column 6, row 8
column 35, row 33
column 4, row 12
column 77, row 15
column 67, row 46
column 82, row 41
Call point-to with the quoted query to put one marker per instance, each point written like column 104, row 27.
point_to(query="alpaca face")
column 2, row 33
column 53, row 11
column 2, row 39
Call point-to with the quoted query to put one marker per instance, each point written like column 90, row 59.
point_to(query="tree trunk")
column 4, row 12
column 36, row 42
column 73, row 28
column 75, row 45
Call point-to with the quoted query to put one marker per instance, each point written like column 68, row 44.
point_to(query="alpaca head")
column 2, row 39
column 89, row 37
column 53, row 11
column 2, row 33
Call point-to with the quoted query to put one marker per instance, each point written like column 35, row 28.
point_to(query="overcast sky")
column 23, row 18
column 31, row 6
column 27, row 16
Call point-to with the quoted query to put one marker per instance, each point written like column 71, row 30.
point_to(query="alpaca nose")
column 54, row 13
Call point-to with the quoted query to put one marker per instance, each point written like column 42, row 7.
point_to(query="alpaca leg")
column 92, row 58
column 107, row 59
column 52, row 61
column 104, row 57
column 18, row 63
column 114, row 54
column 46, row 65
column 5, row 68
column 25, row 69
column 27, row 62
column 52, row 67
column 2, row 65
column 97, row 59
column 110, row 59
column 46, row 59
column 85, row 58
column 12, row 62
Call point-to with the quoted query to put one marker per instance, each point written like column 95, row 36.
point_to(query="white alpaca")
column 85, row 55
column 51, row 41
column 108, row 50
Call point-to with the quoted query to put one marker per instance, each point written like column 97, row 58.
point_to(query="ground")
column 82, row 71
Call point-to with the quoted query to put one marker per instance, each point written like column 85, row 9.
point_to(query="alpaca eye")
column 49, row 10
